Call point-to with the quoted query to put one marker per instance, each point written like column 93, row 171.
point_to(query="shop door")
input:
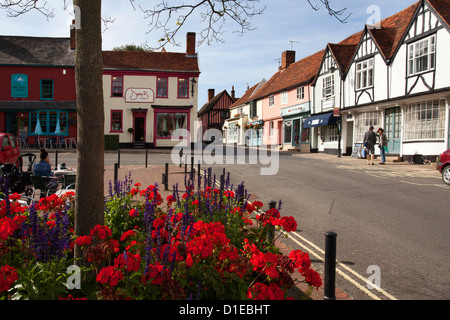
column 296, row 133
column 392, row 122
column 139, row 129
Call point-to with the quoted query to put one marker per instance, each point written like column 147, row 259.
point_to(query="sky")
column 239, row 60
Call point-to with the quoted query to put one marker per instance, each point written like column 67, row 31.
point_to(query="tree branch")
column 332, row 12
column 213, row 15
column 15, row 8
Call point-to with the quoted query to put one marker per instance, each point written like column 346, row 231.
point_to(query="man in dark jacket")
column 370, row 138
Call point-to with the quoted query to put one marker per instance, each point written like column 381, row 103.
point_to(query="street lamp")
column 192, row 87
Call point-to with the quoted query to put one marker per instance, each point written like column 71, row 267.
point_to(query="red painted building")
column 37, row 88
column 214, row 113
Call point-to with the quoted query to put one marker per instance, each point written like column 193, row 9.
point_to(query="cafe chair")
column 39, row 184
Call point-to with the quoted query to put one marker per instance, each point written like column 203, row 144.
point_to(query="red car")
column 9, row 148
column 444, row 166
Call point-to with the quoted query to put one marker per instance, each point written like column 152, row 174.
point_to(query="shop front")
column 295, row 135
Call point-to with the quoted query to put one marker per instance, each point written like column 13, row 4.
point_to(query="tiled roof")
column 296, row 74
column 42, row 51
column 150, row 61
column 248, row 95
column 392, row 29
column 442, row 7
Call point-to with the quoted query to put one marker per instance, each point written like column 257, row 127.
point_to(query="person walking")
column 382, row 145
column 370, row 138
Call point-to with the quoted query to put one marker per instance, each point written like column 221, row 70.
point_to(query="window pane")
column 47, row 89
column 183, row 87
column 162, row 88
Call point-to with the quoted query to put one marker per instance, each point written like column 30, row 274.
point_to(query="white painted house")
column 393, row 75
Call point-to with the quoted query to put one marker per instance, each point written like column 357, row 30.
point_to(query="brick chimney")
column 287, row 58
column 190, row 44
column 232, row 93
column 72, row 35
column 211, row 94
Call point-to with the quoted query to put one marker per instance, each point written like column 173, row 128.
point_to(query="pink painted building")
column 286, row 100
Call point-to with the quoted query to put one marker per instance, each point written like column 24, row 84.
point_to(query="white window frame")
column 328, row 86
column 271, row 101
column 300, row 93
column 422, row 55
column 329, row 133
column 364, row 120
column 364, row 74
column 284, row 97
column 425, row 120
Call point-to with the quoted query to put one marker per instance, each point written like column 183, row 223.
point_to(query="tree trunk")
column 89, row 205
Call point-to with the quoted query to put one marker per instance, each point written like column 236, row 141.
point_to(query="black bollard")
column 56, row 158
column 330, row 266
column 116, row 173
column 118, row 158
column 146, row 157
column 271, row 231
column 166, row 172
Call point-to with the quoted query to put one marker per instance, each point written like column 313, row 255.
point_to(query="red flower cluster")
column 7, row 227
column 8, row 275
column 109, row 276
column 260, row 291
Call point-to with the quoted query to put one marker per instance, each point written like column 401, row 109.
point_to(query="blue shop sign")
column 19, row 86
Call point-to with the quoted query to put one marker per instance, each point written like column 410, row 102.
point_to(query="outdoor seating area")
column 40, row 142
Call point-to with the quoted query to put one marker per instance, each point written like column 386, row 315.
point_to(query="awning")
column 326, row 119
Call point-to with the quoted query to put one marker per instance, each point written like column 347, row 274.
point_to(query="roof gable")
column 389, row 36
column 211, row 103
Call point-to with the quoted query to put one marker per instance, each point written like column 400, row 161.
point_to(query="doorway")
column 139, row 127
column 392, row 122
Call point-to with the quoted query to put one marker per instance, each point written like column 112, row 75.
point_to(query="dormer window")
column 421, row 55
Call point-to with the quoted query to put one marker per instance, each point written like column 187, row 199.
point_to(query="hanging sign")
column 19, row 86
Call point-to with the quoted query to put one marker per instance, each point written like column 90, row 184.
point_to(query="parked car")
column 444, row 166
column 9, row 151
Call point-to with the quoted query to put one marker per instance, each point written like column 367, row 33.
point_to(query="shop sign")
column 19, row 86
column 139, row 95
column 304, row 107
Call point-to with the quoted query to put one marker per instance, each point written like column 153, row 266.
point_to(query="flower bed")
column 202, row 243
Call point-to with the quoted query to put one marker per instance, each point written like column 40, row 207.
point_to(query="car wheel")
column 446, row 175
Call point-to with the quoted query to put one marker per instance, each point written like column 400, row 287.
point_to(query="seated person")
column 44, row 168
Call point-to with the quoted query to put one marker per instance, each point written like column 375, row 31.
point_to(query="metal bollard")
column 330, row 266
column 271, row 231
column 164, row 181
column 118, row 158
column 116, row 168
column 56, row 158
column 166, row 174
column 146, row 157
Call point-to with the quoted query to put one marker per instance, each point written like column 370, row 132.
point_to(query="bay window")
column 425, row 120
column 167, row 123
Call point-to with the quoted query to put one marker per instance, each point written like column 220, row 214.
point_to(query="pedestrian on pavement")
column 382, row 145
column 370, row 139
